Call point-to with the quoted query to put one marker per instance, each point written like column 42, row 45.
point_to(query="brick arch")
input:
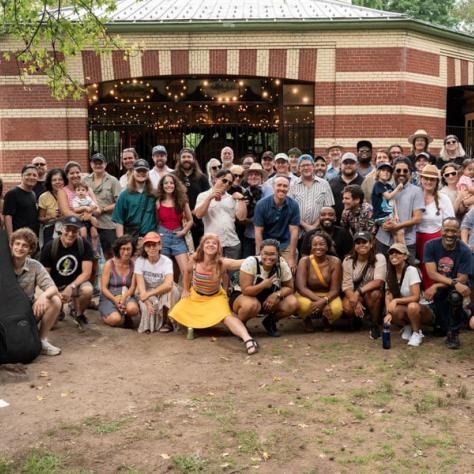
column 296, row 64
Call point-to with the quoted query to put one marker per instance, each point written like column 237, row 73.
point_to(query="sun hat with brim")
column 256, row 168
column 430, row 171
column 362, row 236
column 400, row 248
column 420, row 134
column 334, row 145
column 151, row 237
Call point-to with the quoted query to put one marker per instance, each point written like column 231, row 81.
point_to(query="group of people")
column 375, row 236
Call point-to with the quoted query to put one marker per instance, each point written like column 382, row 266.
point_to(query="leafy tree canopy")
column 439, row 12
column 50, row 31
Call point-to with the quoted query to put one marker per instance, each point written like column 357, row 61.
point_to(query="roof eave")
column 389, row 23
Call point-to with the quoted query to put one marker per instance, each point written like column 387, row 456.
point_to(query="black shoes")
column 374, row 331
column 452, row 340
column 270, row 326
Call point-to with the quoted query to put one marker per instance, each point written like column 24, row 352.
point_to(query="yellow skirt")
column 199, row 311
column 305, row 306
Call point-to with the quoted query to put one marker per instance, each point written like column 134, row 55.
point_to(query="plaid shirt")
column 33, row 275
column 359, row 220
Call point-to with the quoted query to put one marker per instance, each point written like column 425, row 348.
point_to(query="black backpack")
column 19, row 337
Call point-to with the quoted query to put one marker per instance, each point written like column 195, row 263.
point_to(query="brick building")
column 284, row 73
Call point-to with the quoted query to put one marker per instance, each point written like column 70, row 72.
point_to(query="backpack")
column 19, row 337
column 55, row 248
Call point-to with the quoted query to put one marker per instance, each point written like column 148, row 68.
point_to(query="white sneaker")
column 416, row 338
column 406, row 332
column 48, row 349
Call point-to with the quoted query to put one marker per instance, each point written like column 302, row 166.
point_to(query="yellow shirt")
column 48, row 202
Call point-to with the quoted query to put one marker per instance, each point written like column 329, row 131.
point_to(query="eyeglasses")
column 215, row 168
column 237, row 176
column 267, row 158
column 451, row 142
column 452, row 173
column 402, row 170
column 226, row 181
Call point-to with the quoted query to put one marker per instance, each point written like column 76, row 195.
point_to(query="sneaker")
column 374, row 332
column 452, row 341
column 48, row 349
column 269, row 324
column 406, row 332
column 416, row 338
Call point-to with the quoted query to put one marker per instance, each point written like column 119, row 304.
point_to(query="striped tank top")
column 204, row 284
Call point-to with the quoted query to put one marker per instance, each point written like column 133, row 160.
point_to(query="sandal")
column 270, row 326
column 252, row 348
column 308, row 324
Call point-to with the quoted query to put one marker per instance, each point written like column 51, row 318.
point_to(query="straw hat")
column 258, row 168
column 430, row 171
column 420, row 134
column 334, row 145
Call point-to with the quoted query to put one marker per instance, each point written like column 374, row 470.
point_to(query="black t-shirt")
column 21, row 205
column 67, row 265
column 39, row 189
column 195, row 185
column 337, row 186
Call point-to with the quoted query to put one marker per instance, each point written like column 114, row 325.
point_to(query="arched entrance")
column 250, row 114
column 460, row 116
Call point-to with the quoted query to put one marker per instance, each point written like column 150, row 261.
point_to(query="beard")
column 365, row 160
column 186, row 165
column 327, row 225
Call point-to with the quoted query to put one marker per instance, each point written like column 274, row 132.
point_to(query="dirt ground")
column 118, row 401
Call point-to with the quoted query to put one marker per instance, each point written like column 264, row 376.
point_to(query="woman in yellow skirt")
column 204, row 302
column 318, row 281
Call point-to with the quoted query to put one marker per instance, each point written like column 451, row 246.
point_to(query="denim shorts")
column 170, row 244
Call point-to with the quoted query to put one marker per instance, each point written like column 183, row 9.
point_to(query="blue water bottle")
column 386, row 336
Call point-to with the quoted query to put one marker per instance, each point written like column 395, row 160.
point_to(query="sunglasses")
column 452, row 173
column 237, row 176
column 402, row 171
column 226, row 181
column 39, row 164
column 360, row 242
column 394, row 252
column 451, row 142
column 215, row 168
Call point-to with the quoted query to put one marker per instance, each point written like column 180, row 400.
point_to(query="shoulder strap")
column 317, row 270
column 258, row 266
column 80, row 246
column 54, row 249
column 362, row 276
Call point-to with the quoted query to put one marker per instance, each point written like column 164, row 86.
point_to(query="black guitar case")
column 19, row 337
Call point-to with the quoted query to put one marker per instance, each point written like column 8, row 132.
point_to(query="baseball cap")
column 349, row 156
column 141, row 164
column 305, row 157
column 399, row 247
column 151, row 237
column 362, row 236
column 98, row 157
column 159, row 149
column 281, row 156
column 73, row 221
column 384, row 165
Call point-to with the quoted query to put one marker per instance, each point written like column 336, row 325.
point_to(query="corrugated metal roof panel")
column 240, row 10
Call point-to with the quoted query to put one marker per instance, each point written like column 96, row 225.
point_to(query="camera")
column 251, row 196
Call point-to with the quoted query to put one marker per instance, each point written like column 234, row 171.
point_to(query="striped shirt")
column 204, row 284
column 311, row 199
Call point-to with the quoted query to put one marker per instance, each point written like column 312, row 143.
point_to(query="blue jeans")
column 170, row 244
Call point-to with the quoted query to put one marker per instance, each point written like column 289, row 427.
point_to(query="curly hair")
column 179, row 195
column 121, row 241
column 26, row 234
column 329, row 242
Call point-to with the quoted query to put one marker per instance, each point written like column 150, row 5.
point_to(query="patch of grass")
column 462, row 392
column 428, row 403
column 42, row 463
column 248, row 441
column 360, row 394
column 358, row 413
column 189, row 464
column 407, row 360
column 440, row 382
column 6, row 465
column 329, row 431
column 71, row 429
column 104, row 427
column 425, row 441
column 329, row 399
column 386, row 453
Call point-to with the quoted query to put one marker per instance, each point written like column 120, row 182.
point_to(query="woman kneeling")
column 204, row 302
column 266, row 287
column 117, row 305
column 318, row 281
column 402, row 298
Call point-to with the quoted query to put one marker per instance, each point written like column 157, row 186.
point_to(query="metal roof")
column 195, row 11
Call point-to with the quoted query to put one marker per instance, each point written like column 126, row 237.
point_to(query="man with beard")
column 348, row 175
column 227, row 157
column 364, row 155
column 320, row 166
column 448, row 263
column 410, row 204
column 282, row 167
column 42, row 168
column 311, row 193
column 327, row 222
column 267, row 161
column 196, row 182
column 357, row 215
column 129, row 156
column 160, row 157
column 334, row 154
